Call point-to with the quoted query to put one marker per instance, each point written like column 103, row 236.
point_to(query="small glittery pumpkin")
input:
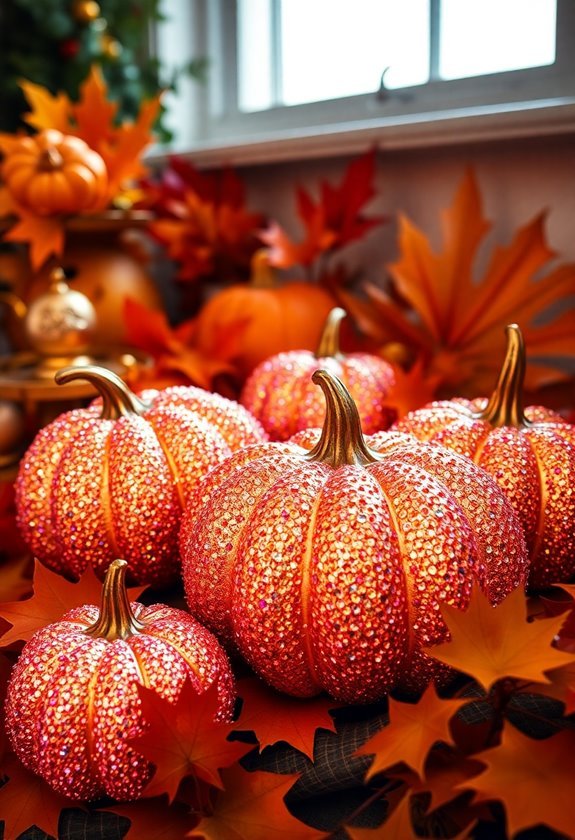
column 530, row 453
column 281, row 394
column 326, row 567
column 72, row 701
column 111, row 479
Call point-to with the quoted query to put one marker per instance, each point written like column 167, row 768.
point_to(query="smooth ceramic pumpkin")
column 281, row 394
column 112, row 479
column 247, row 323
column 326, row 568
column 530, row 452
column 72, row 701
column 51, row 172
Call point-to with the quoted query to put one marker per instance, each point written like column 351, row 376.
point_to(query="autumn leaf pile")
column 492, row 750
column 93, row 119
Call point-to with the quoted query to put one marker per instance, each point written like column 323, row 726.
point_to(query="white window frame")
column 211, row 130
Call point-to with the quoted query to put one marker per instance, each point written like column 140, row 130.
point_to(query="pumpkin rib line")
column 171, row 463
column 306, row 588
column 544, row 496
column 169, row 643
column 406, row 575
column 106, row 497
column 93, row 765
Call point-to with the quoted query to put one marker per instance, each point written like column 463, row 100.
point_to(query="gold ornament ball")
column 86, row 11
column 110, row 47
column 60, row 322
column 11, row 431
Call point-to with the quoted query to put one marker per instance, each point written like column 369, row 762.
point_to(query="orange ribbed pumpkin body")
column 91, row 489
column 72, row 701
column 269, row 320
column 330, row 578
column 53, row 173
column 534, row 466
column 281, row 394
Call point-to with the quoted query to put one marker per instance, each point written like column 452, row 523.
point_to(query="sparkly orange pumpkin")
column 72, row 701
column 267, row 317
column 326, row 568
column 53, row 173
column 111, row 479
column 281, row 394
column 530, row 453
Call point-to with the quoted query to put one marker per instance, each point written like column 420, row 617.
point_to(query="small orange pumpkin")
column 327, row 568
column 72, row 701
column 51, row 173
column 265, row 317
column 530, row 452
column 111, row 479
column 281, row 394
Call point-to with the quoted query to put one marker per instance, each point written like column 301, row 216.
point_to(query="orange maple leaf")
column 276, row 717
column 457, row 324
column 252, row 807
column 185, row 738
column 45, row 235
column 48, row 110
column 27, row 800
column 533, row 778
column 444, row 770
column 411, row 389
column 52, row 596
column 412, row 730
column 490, row 643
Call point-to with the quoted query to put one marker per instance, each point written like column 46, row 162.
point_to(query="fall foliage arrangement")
column 352, row 572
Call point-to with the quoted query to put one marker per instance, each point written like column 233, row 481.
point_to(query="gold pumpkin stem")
column 329, row 342
column 505, row 406
column 116, row 619
column 50, row 159
column 117, row 399
column 342, row 441
column 263, row 275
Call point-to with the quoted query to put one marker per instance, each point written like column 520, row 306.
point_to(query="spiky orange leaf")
column 490, row 643
column 533, row 779
column 459, row 322
column 47, row 110
column 412, row 730
column 44, row 234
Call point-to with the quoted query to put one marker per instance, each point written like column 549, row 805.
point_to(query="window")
column 288, row 76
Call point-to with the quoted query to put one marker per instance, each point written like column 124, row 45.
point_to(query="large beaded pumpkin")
column 111, row 479
column 529, row 452
column 72, row 703
column 326, row 567
column 281, row 394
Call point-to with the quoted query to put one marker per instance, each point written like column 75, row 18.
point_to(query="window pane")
column 491, row 36
column 254, row 55
column 335, row 48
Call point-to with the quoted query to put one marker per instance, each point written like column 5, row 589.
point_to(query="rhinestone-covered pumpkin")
column 72, row 701
column 281, row 394
column 529, row 452
column 111, row 479
column 326, row 567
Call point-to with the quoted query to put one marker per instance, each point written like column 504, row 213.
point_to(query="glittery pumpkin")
column 72, row 701
column 327, row 568
column 529, row 452
column 111, row 479
column 281, row 394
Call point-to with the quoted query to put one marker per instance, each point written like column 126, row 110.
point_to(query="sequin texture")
column 72, row 700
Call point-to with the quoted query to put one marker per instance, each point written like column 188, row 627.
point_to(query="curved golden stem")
column 329, row 341
column 342, row 441
column 263, row 275
column 116, row 619
column 505, row 406
column 118, row 400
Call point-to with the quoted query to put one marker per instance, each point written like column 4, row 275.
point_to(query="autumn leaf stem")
column 392, row 784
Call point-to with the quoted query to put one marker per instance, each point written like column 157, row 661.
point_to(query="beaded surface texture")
column 72, row 700
column 91, row 488
column 332, row 577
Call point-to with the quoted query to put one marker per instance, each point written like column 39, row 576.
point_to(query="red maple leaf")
column 185, row 738
column 154, row 819
column 53, row 596
column 331, row 222
column 27, row 800
column 252, row 807
column 412, row 730
column 276, row 717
